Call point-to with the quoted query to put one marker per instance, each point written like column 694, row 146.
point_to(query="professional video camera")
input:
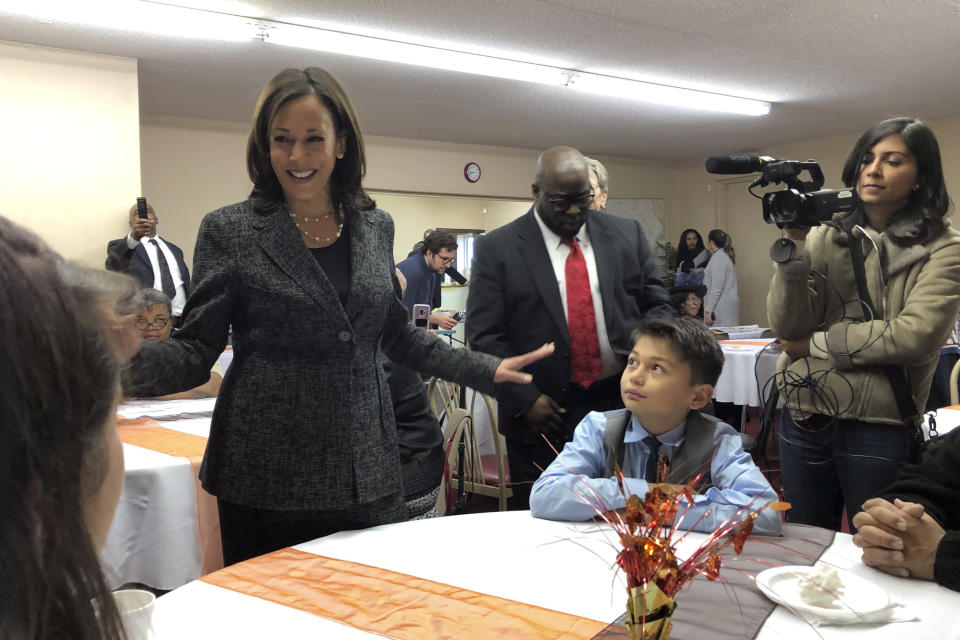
column 802, row 203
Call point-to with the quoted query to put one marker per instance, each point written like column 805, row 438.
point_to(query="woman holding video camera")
column 861, row 305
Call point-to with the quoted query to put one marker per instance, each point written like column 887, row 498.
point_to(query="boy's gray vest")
column 690, row 458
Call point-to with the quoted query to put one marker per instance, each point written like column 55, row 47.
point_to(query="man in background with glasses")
column 420, row 269
column 565, row 274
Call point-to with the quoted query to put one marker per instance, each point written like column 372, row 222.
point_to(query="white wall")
column 705, row 201
column 191, row 167
column 70, row 167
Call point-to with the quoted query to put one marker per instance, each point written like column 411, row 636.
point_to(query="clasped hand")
column 899, row 538
column 545, row 416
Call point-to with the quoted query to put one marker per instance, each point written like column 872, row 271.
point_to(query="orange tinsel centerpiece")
column 648, row 536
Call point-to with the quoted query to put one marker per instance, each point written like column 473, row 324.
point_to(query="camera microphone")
column 737, row 163
column 455, row 275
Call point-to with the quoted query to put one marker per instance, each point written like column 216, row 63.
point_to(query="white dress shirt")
column 558, row 252
column 181, row 298
column 575, row 484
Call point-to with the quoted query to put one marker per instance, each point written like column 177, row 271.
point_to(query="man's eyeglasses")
column 446, row 260
column 562, row 204
column 156, row 325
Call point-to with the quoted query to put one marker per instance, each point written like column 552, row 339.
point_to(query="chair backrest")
column 504, row 491
column 954, row 374
column 444, row 396
column 457, row 429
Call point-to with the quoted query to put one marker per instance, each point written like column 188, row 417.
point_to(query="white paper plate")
column 860, row 599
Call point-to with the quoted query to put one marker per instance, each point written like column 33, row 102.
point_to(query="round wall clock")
column 471, row 171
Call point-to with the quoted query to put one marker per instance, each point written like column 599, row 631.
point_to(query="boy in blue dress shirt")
column 669, row 377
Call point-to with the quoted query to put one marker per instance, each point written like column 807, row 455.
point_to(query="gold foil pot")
column 648, row 613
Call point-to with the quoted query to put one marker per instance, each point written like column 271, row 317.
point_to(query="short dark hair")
column 691, row 340
column 58, row 385
column 149, row 297
column 346, row 181
column 930, row 201
column 439, row 240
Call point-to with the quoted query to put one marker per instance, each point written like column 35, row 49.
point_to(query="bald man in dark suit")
column 529, row 285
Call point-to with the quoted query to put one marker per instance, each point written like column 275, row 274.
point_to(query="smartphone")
column 141, row 208
column 421, row 315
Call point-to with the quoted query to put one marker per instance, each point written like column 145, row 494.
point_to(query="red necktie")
column 581, row 319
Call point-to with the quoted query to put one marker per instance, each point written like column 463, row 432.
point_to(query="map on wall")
column 648, row 211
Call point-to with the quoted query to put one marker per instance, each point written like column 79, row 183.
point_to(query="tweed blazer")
column 304, row 417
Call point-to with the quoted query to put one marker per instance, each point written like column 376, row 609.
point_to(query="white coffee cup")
column 136, row 609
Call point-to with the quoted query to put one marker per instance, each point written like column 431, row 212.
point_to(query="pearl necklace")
column 325, row 240
column 325, row 216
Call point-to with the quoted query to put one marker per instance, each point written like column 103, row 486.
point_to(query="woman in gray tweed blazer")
column 302, row 442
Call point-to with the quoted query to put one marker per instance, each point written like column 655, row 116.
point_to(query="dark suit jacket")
column 514, row 303
column 304, row 418
column 136, row 262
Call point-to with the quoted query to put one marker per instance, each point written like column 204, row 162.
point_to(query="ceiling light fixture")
column 161, row 18
column 378, row 48
column 141, row 16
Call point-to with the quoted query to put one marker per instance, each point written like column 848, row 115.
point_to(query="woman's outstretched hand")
column 509, row 369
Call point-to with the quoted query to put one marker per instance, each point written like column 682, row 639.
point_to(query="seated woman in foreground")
column 61, row 461
column 669, row 377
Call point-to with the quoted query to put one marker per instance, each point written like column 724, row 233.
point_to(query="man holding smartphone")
column 155, row 262
column 437, row 253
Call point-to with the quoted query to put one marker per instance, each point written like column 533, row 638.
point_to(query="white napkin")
column 167, row 409
column 895, row 612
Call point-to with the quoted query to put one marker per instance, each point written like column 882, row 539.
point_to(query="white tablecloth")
column 561, row 566
column 154, row 538
column 744, row 365
column 742, row 332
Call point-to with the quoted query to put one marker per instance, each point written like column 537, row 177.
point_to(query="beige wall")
column 412, row 214
column 191, row 167
column 705, row 201
column 71, row 163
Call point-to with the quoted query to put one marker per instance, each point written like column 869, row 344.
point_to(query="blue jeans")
column 826, row 467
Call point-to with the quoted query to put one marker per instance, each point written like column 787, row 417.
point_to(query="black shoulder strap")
column 613, row 433
column 895, row 375
column 694, row 454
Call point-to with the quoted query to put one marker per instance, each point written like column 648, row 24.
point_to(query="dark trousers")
column 827, row 467
column 524, row 455
column 248, row 532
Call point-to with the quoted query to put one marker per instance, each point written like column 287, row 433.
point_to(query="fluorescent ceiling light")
column 140, row 16
column 395, row 51
column 665, row 94
column 349, row 44
column 147, row 16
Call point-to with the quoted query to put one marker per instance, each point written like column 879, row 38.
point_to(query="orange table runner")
column 755, row 343
column 147, row 434
column 395, row 605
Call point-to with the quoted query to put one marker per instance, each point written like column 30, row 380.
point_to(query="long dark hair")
column 723, row 241
column 685, row 256
column 929, row 202
column 58, row 386
column 346, row 181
